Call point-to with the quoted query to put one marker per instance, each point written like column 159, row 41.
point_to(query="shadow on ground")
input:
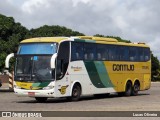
column 84, row 98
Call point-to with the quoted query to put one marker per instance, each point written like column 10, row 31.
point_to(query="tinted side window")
column 133, row 54
column 77, row 51
column 64, row 51
column 112, row 52
column 122, row 53
column 146, row 54
column 62, row 59
column 102, row 52
column 140, row 54
column 90, row 51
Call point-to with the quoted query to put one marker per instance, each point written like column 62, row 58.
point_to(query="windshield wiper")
column 22, row 77
column 38, row 76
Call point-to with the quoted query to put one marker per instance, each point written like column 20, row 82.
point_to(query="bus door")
column 62, row 76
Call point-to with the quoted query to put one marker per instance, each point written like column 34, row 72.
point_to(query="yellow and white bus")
column 75, row 66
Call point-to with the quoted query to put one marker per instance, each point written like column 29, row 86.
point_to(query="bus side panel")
column 108, row 76
column 77, row 72
column 62, row 87
column 121, row 72
column 147, row 81
column 146, row 78
column 118, row 77
column 99, row 77
column 91, row 76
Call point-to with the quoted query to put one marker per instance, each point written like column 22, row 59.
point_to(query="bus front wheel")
column 76, row 93
column 41, row 99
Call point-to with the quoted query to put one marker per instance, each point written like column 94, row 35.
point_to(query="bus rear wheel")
column 128, row 89
column 135, row 89
column 76, row 93
column 41, row 99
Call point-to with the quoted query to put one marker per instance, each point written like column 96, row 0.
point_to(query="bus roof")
column 93, row 39
column 104, row 40
column 44, row 39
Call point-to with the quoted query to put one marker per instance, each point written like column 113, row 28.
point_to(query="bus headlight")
column 17, row 87
column 48, row 87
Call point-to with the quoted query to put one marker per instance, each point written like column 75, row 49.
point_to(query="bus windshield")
column 33, row 68
column 37, row 48
column 33, row 62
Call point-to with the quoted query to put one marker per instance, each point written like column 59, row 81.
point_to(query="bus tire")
column 128, row 89
column 41, row 99
column 135, row 88
column 76, row 93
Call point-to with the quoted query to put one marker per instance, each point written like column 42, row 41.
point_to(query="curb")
column 155, row 82
column 6, row 90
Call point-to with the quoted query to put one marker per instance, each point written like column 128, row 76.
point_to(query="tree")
column 10, row 35
column 155, row 67
column 118, row 38
column 51, row 31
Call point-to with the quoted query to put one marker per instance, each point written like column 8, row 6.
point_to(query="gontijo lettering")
column 123, row 67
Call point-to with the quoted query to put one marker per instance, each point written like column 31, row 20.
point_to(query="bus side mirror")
column 8, row 59
column 53, row 61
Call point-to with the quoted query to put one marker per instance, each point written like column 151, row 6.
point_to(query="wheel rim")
column 136, row 87
column 128, row 87
column 75, row 92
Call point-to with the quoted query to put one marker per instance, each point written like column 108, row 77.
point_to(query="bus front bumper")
column 34, row 93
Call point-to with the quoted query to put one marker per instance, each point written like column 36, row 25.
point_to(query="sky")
column 135, row 20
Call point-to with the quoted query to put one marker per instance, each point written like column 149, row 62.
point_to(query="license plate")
column 31, row 93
